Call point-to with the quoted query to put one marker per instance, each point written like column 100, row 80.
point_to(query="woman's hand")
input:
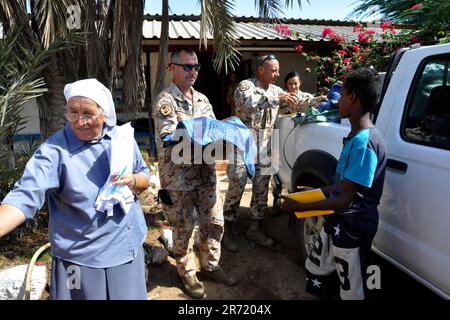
column 128, row 179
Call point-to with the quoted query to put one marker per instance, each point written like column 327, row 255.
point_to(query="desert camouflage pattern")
column 258, row 108
column 237, row 177
column 170, row 107
column 189, row 185
column 305, row 101
column 207, row 203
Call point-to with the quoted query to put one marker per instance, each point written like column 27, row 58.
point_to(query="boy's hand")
column 290, row 205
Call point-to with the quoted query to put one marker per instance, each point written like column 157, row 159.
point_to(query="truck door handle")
column 397, row 165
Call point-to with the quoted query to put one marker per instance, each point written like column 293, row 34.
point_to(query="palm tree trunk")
column 161, row 70
column 163, row 50
column 52, row 105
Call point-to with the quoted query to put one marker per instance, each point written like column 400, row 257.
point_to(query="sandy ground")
column 262, row 273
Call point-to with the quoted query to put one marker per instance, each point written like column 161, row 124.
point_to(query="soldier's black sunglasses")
column 188, row 67
column 268, row 58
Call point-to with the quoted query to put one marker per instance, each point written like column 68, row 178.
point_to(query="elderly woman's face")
column 86, row 118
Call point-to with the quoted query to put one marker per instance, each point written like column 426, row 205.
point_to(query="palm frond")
column 289, row 3
column 18, row 93
column 51, row 18
column 429, row 22
column 388, row 9
column 127, row 44
column 92, row 62
column 16, row 14
column 269, row 8
column 217, row 17
column 15, row 11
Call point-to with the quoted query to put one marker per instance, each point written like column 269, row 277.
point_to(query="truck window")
column 427, row 115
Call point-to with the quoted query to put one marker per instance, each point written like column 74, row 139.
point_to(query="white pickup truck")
column 414, row 117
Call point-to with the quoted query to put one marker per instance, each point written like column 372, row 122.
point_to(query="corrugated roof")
column 248, row 28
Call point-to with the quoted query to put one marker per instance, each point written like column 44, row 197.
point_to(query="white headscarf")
column 96, row 91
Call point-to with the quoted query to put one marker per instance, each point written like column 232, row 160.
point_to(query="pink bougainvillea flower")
column 355, row 48
column 299, row 48
column 342, row 52
column 338, row 39
column 371, row 31
column 414, row 39
column 362, row 38
column 347, row 60
column 327, row 31
column 283, row 29
column 349, row 66
column 358, row 28
column 387, row 25
column 417, row 6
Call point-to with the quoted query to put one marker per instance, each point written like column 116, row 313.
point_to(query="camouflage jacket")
column 171, row 107
column 306, row 100
column 258, row 107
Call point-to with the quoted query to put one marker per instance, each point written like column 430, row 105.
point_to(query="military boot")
column 254, row 233
column 219, row 276
column 229, row 241
column 193, row 287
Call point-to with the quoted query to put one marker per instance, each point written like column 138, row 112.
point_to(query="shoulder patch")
column 166, row 109
column 244, row 87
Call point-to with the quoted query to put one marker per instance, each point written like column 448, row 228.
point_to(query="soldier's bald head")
column 268, row 69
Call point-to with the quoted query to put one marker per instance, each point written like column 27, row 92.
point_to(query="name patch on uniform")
column 166, row 109
column 244, row 87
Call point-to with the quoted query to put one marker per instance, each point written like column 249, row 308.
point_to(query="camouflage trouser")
column 237, row 177
column 180, row 215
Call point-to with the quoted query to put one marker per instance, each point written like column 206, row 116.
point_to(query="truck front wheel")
column 306, row 231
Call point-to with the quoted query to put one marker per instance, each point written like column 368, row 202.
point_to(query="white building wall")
column 31, row 114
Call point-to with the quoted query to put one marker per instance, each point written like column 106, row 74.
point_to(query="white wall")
column 31, row 114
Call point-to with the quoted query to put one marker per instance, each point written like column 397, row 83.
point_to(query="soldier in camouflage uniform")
column 257, row 104
column 186, row 186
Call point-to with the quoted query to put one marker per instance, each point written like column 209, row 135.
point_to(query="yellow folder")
column 308, row 197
